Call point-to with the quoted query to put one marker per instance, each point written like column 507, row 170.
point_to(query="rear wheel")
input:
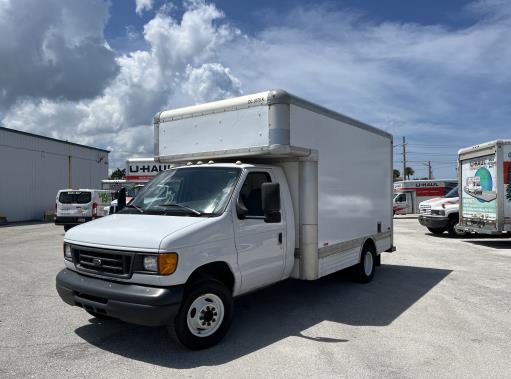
column 67, row 227
column 364, row 270
column 437, row 231
column 205, row 315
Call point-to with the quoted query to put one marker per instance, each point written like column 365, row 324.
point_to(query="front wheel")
column 364, row 270
column 205, row 315
column 453, row 232
column 436, row 231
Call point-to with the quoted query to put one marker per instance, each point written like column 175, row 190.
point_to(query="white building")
column 33, row 168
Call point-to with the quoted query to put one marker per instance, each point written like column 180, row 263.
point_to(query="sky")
column 95, row 72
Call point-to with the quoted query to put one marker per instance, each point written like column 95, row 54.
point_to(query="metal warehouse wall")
column 33, row 169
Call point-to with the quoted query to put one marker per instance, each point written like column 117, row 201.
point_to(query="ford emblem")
column 96, row 262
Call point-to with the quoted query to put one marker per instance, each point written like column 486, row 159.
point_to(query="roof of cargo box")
column 268, row 98
column 484, row 146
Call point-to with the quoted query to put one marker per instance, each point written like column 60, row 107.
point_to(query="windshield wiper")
column 194, row 211
column 134, row 206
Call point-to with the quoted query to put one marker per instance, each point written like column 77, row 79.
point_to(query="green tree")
column 396, row 174
column 409, row 172
column 118, row 174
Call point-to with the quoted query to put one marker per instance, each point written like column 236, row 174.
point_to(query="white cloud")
column 148, row 81
column 210, row 81
column 53, row 50
column 429, row 82
column 142, row 6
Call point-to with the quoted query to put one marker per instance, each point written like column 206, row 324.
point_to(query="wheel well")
column 369, row 243
column 454, row 215
column 215, row 270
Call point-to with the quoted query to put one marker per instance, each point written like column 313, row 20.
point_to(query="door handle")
column 280, row 238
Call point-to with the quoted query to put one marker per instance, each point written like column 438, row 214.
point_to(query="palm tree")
column 409, row 172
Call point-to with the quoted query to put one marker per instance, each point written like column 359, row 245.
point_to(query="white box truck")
column 409, row 193
column 485, row 187
column 262, row 188
column 143, row 170
column 139, row 171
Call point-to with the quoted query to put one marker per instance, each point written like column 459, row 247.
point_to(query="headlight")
column 162, row 264
column 151, row 263
column 67, row 252
column 438, row 212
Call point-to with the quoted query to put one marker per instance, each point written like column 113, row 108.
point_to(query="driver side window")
column 250, row 193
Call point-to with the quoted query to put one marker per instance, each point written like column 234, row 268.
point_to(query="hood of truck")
column 130, row 230
column 442, row 202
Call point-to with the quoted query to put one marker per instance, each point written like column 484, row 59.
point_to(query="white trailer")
column 485, row 202
column 261, row 188
column 143, row 169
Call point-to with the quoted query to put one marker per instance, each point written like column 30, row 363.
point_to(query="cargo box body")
column 485, row 187
column 339, row 170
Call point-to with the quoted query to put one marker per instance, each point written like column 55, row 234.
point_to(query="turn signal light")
column 167, row 263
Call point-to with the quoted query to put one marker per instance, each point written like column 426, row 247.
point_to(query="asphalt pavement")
column 438, row 307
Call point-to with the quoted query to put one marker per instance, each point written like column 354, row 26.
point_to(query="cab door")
column 259, row 244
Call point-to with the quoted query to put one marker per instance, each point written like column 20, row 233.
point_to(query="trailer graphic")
column 485, row 203
column 479, row 190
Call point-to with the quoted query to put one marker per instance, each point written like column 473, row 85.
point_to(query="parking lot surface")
column 438, row 307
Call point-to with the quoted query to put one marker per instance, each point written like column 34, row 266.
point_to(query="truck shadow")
column 494, row 244
column 281, row 311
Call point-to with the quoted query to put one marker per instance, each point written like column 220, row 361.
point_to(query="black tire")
column 359, row 271
column 453, row 222
column 67, row 227
column 437, row 231
column 181, row 328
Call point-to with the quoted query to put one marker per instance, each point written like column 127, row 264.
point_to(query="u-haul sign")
column 144, row 169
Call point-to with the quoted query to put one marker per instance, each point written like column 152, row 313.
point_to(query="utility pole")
column 404, row 158
column 430, row 171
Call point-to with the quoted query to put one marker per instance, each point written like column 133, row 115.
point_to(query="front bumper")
column 434, row 222
column 71, row 220
column 133, row 303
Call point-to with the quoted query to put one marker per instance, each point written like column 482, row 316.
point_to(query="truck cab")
column 441, row 214
column 404, row 202
column 215, row 218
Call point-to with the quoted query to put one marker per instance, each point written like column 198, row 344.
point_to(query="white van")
column 260, row 188
column 73, row 207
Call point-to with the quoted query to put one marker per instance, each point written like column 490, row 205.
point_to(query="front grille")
column 102, row 261
column 425, row 209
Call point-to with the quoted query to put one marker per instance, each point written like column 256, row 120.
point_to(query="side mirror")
column 241, row 209
column 121, row 199
column 270, row 194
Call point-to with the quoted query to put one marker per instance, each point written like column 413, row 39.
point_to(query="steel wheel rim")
column 368, row 263
column 205, row 315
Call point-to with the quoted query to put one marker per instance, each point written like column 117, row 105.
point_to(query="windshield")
column 453, row 192
column 188, row 191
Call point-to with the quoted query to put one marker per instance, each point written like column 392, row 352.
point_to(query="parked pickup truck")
column 261, row 188
column 441, row 214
